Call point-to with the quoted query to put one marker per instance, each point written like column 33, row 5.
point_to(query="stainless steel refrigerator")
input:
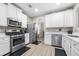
column 31, row 31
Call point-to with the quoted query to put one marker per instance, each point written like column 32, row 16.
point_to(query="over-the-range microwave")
column 13, row 23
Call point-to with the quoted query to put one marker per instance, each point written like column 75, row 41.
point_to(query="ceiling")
column 43, row 8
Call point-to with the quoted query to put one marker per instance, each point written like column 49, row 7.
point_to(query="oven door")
column 17, row 43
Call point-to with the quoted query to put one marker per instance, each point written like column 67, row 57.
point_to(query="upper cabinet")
column 60, row 19
column 12, row 11
column 3, row 14
column 54, row 20
column 19, row 14
column 69, row 18
column 50, row 21
column 76, row 14
column 24, row 21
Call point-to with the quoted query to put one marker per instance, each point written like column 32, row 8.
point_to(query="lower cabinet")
column 47, row 39
column 26, row 38
column 74, row 48
column 66, row 45
column 70, row 46
column 4, row 45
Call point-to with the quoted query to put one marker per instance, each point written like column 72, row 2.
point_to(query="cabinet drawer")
column 4, row 48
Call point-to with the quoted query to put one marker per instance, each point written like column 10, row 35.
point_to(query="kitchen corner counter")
column 72, row 38
column 64, row 34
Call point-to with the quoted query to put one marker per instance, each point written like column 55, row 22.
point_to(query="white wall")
column 29, row 20
column 39, row 21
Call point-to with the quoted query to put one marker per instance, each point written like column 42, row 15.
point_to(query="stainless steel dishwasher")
column 56, row 40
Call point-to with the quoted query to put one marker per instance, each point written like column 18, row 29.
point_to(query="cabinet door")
column 24, row 21
column 63, row 41
column 3, row 14
column 54, row 20
column 4, row 45
column 48, row 20
column 66, row 45
column 74, row 52
column 74, row 49
column 19, row 15
column 60, row 19
column 12, row 12
column 26, row 38
column 47, row 39
column 69, row 17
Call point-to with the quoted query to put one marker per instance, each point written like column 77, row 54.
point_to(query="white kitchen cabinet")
column 24, row 21
column 76, row 17
column 26, row 38
column 70, row 46
column 47, row 39
column 22, row 18
column 69, row 18
column 63, row 41
column 19, row 14
column 66, row 44
column 4, row 45
column 50, row 20
column 12, row 12
column 54, row 20
column 60, row 19
column 3, row 14
column 74, row 49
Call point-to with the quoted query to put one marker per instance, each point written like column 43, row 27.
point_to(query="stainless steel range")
column 17, row 39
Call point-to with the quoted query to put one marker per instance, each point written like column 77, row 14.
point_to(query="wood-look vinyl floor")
column 39, row 50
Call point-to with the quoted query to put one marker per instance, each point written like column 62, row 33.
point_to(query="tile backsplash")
column 2, row 30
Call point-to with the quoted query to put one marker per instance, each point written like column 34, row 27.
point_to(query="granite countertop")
column 65, row 34
column 72, row 38
column 55, row 33
column 3, row 35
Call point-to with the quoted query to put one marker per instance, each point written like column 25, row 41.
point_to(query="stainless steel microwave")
column 13, row 23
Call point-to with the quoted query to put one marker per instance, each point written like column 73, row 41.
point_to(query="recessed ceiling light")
column 36, row 10
column 58, row 3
